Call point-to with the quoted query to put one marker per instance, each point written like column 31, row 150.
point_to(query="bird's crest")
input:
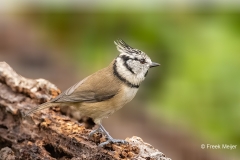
column 123, row 47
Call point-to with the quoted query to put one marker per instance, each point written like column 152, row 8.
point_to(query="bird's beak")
column 154, row 64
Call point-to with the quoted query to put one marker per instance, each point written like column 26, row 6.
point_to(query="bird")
column 107, row 90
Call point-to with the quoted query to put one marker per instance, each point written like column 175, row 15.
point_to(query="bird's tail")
column 35, row 109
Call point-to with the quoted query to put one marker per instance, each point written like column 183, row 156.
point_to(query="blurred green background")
column 194, row 93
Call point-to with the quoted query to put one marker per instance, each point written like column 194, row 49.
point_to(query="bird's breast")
column 103, row 109
column 126, row 94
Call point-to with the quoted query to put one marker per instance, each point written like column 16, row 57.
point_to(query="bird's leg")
column 110, row 139
column 95, row 131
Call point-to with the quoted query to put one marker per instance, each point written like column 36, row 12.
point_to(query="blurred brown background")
column 190, row 100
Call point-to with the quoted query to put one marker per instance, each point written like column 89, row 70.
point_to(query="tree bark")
column 52, row 135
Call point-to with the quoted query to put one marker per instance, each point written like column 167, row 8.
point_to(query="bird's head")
column 132, row 64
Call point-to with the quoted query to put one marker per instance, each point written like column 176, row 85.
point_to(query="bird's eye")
column 142, row 61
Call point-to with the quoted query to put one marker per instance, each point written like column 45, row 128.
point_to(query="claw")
column 94, row 131
column 112, row 141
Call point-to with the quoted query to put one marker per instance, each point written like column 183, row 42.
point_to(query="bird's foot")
column 94, row 131
column 102, row 130
column 112, row 141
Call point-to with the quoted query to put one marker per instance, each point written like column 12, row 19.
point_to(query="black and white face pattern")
column 132, row 64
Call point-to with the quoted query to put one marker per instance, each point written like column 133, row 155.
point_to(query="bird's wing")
column 95, row 88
